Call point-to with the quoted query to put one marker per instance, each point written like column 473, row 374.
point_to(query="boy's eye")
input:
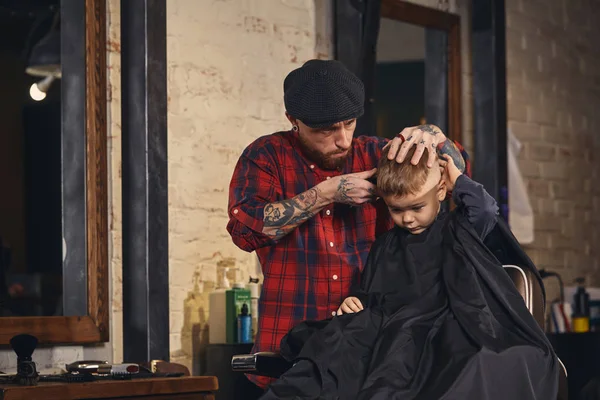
column 419, row 208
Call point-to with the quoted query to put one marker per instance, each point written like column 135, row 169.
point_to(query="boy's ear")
column 442, row 190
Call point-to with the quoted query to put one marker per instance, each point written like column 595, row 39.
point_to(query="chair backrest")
column 530, row 289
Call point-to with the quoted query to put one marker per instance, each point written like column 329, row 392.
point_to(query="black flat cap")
column 322, row 93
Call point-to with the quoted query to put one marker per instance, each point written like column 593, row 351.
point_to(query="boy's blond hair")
column 401, row 179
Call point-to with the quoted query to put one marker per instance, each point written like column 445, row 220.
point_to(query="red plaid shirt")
column 309, row 272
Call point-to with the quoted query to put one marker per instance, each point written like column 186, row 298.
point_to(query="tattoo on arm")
column 281, row 217
column 448, row 147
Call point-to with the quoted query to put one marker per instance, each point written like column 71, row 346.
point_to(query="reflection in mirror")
column 405, row 56
column 30, row 159
column 399, row 77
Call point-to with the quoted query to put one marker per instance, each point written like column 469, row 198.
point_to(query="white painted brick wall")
column 226, row 65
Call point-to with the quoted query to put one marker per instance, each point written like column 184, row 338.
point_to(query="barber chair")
column 273, row 365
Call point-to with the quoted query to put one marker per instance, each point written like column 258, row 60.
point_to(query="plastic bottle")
column 217, row 332
column 244, row 325
column 254, row 289
column 581, row 310
column 235, row 299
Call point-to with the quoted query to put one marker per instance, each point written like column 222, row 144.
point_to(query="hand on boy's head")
column 450, row 172
column 422, row 136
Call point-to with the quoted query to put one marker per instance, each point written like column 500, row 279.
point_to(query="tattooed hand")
column 423, row 136
column 448, row 148
column 353, row 189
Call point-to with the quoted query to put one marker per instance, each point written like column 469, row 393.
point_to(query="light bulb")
column 35, row 93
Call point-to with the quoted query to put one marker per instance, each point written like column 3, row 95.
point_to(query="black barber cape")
column 442, row 320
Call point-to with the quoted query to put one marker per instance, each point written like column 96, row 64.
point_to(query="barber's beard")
column 324, row 161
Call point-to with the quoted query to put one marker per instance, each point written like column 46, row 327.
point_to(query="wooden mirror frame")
column 91, row 251
column 431, row 18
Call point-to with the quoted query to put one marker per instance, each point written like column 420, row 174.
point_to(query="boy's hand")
column 350, row 305
column 450, row 172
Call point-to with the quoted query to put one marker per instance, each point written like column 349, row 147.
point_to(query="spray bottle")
column 244, row 325
column 236, row 297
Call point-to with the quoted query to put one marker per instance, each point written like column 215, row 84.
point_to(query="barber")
column 303, row 199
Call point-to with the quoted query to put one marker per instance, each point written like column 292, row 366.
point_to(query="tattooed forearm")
column 448, row 147
column 281, row 217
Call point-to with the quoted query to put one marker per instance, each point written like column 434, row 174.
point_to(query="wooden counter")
column 184, row 388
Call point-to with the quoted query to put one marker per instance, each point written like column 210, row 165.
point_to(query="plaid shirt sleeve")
column 465, row 157
column 254, row 184
column 467, row 170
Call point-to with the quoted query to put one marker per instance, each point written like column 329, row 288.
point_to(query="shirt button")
column 328, row 177
column 330, row 244
column 333, row 313
column 335, row 277
column 235, row 211
column 312, row 166
column 328, row 212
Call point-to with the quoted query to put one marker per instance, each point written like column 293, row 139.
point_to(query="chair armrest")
column 563, row 386
column 261, row 363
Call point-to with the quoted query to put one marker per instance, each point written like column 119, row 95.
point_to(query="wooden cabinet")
column 184, row 388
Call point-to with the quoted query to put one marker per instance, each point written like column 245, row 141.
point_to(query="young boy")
column 435, row 316
column 413, row 194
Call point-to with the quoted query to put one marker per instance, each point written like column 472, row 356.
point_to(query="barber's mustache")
column 333, row 153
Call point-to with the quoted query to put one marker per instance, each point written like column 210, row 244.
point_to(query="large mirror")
column 399, row 76
column 417, row 69
column 30, row 159
column 53, row 201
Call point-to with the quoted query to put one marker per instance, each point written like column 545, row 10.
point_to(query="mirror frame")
column 427, row 17
column 93, row 327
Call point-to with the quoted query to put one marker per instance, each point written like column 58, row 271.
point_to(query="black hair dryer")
column 24, row 345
